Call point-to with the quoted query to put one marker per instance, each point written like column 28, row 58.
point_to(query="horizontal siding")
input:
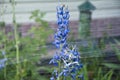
column 73, row 6
column 32, row 1
column 105, row 9
column 29, row 1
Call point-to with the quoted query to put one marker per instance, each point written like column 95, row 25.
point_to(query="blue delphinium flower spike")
column 69, row 58
column 62, row 31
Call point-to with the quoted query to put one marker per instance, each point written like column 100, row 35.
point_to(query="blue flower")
column 69, row 58
column 73, row 76
column 75, row 52
column 56, row 56
column 55, row 72
column 52, row 78
column 54, row 62
column 55, row 59
column 65, row 72
column 81, row 77
column 60, row 10
column 73, row 70
column 2, row 63
column 59, row 21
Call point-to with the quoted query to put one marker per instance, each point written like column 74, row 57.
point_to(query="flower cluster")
column 71, row 64
column 62, row 31
column 68, row 59
column 2, row 61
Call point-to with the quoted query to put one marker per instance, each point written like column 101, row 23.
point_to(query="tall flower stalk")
column 67, row 59
column 16, row 42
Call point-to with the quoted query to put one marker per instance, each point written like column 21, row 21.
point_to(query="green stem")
column 59, row 64
column 5, row 72
column 4, row 49
column 5, row 69
column 58, row 78
column 59, row 69
column 16, row 41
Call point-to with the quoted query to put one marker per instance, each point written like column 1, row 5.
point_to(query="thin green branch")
column 16, row 42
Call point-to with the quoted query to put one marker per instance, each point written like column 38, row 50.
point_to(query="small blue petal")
column 73, row 76
column 52, row 78
column 59, row 21
column 81, row 76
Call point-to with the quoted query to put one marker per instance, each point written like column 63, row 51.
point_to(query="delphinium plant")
column 67, row 59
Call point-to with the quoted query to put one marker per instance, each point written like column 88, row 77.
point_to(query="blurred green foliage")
column 31, row 47
column 99, row 74
column 115, row 66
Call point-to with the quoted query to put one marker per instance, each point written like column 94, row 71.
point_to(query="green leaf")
column 85, row 72
column 107, row 76
column 112, row 65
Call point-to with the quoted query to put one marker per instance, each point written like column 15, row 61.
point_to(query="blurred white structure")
column 105, row 9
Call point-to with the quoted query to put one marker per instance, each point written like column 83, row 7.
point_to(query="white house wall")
column 105, row 9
